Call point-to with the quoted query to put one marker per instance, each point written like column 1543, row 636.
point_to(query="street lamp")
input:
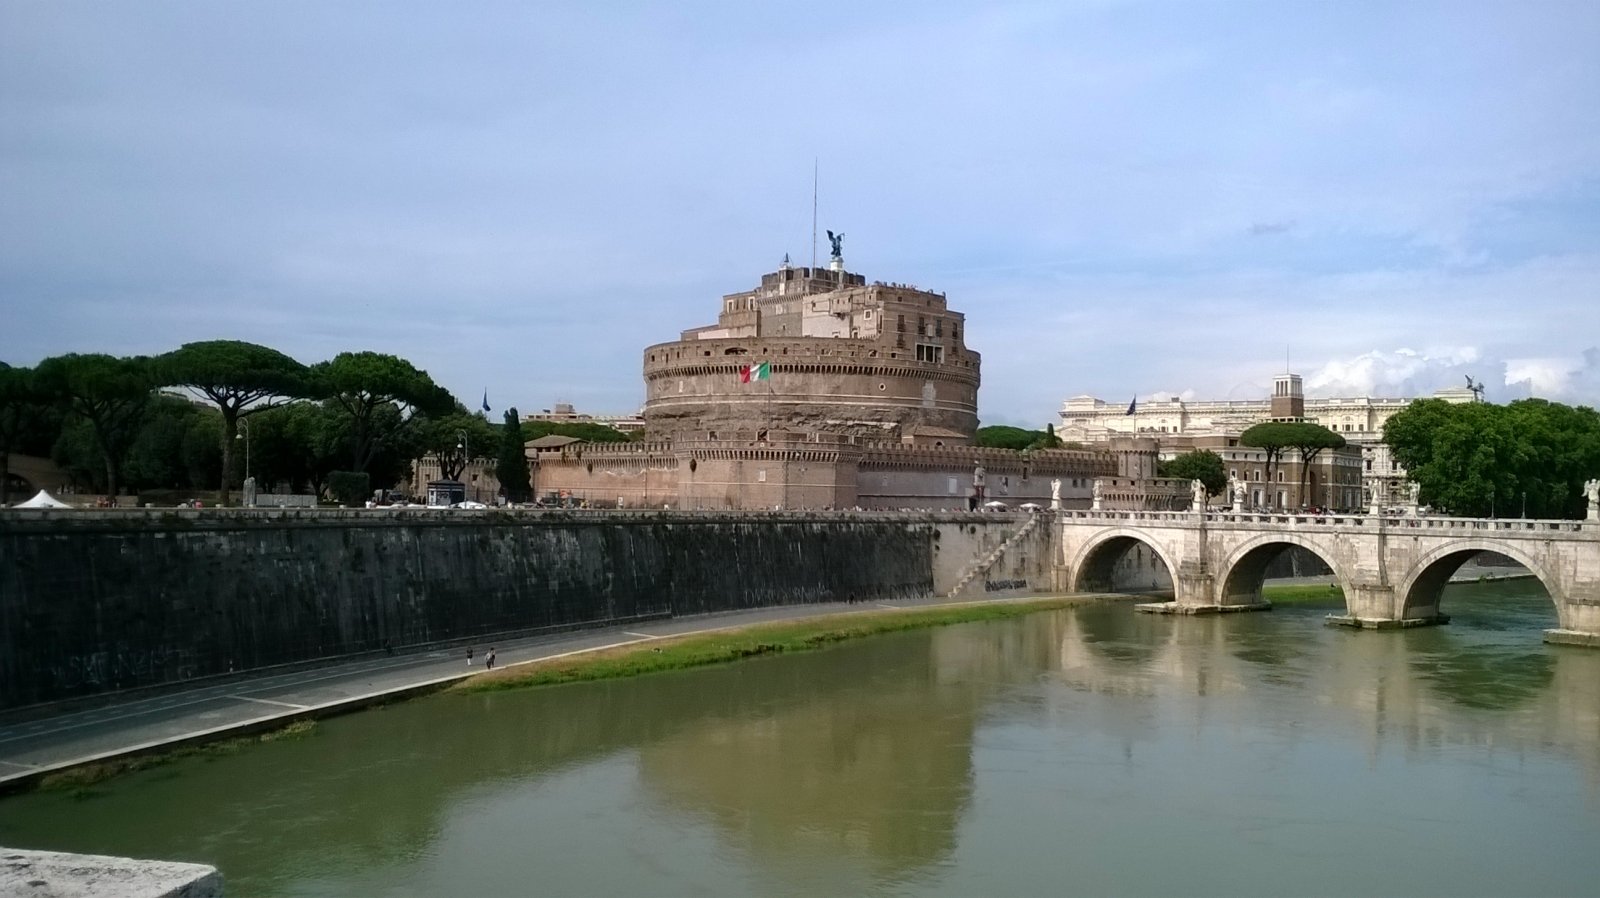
column 466, row 455
column 245, row 435
column 1524, row 505
column 244, row 426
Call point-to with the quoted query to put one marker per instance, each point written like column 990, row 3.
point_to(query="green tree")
column 587, row 431
column 362, row 384
column 1305, row 437
column 240, row 378
column 1002, row 436
column 1477, row 459
column 108, row 392
column 1202, row 465
column 512, row 469
column 160, row 455
column 1272, row 436
column 1309, row 440
column 20, row 404
column 457, row 438
column 300, row 444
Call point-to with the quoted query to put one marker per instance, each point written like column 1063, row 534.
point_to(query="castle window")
column 938, row 327
column 900, row 325
column 955, row 333
column 929, row 353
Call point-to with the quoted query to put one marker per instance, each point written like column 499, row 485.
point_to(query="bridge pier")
column 1579, row 613
column 1195, row 591
column 1376, row 606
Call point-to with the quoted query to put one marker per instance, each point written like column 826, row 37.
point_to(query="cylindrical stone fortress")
column 881, row 361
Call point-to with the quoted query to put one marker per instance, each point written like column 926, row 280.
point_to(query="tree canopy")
column 1477, row 459
column 108, row 392
column 363, row 384
column 239, row 378
column 1202, row 465
column 1003, row 436
column 457, row 438
column 18, row 398
column 1305, row 437
column 587, row 431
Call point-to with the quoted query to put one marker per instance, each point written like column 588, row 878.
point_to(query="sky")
column 1124, row 198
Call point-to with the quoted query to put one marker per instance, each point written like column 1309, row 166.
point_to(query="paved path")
column 35, row 744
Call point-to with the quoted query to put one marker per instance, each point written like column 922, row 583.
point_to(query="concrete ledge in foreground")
column 54, row 874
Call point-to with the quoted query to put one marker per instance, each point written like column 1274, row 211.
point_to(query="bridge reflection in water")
column 1392, row 570
column 995, row 758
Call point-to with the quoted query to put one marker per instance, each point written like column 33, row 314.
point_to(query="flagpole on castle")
column 813, row 218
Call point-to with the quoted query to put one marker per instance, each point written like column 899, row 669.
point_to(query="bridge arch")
column 1091, row 567
column 1245, row 567
column 1423, row 585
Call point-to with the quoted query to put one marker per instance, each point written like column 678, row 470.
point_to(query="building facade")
column 816, row 389
column 876, row 361
column 1181, row 425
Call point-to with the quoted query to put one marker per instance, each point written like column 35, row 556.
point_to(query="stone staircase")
column 981, row 566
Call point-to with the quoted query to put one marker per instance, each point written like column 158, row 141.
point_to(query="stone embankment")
column 97, row 602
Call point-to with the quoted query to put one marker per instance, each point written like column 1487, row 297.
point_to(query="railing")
column 1499, row 526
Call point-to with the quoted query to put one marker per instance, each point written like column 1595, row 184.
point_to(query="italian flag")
column 761, row 371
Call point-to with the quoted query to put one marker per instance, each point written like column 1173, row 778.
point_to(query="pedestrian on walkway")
column 469, row 656
column 488, row 660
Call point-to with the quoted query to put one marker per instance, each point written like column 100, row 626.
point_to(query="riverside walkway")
column 40, row 740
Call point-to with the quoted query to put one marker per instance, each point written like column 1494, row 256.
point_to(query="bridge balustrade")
column 1397, row 522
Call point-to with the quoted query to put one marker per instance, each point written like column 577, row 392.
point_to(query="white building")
column 1360, row 420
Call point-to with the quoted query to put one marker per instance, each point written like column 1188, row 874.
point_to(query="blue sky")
column 1124, row 198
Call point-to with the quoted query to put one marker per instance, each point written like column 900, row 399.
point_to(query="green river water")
column 1090, row 751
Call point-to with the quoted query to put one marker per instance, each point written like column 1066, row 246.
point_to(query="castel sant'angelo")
column 819, row 389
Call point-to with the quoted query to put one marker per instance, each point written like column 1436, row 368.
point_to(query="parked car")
column 1031, row 506
column 469, row 505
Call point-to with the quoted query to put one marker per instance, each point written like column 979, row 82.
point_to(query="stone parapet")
column 55, row 873
column 1048, row 461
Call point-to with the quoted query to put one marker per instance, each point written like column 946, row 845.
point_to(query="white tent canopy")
column 43, row 500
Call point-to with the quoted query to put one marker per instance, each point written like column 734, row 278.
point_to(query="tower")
column 1288, row 402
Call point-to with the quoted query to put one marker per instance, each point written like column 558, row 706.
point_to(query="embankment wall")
column 92, row 602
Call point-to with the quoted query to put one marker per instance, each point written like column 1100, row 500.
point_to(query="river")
column 1092, row 751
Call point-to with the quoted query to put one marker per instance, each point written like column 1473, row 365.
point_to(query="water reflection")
column 944, row 759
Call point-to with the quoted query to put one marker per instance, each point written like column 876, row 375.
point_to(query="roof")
column 551, row 441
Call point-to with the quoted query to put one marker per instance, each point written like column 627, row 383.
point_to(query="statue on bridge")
column 1591, row 491
column 1197, row 490
column 1096, row 494
column 1236, row 487
column 1055, row 494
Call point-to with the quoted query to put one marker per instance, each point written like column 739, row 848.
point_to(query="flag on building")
column 486, row 401
column 760, row 371
column 1132, row 406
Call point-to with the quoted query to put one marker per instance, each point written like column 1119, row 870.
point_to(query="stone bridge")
column 1392, row 568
